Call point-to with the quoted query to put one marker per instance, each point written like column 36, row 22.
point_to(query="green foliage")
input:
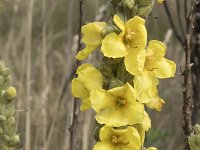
column 8, row 136
column 194, row 139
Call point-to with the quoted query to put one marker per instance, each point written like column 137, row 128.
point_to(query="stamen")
column 121, row 101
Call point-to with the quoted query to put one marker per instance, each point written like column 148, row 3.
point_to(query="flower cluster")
column 8, row 136
column 124, row 83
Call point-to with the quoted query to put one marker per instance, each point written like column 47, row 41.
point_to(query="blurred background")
column 38, row 41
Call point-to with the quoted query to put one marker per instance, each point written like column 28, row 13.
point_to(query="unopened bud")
column 144, row 11
column 2, row 118
column 129, row 3
column 1, row 131
column 144, row 2
column 15, row 139
column 6, row 72
column 115, row 83
column 10, row 93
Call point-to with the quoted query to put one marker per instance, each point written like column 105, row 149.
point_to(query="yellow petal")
column 134, row 60
column 91, row 38
column 91, row 78
column 160, row 1
column 83, row 54
column 121, row 117
column 145, row 86
column 120, row 24
column 141, row 132
column 113, row 46
column 103, row 146
column 132, row 23
column 137, row 26
column 129, row 136
column 101, row 99
column 92, row 33
column 78, row 89
column 164, row 68
column 83, row 67
column 158, row 48
column 143, row 127
column 129, row 93
column 132, row 137
column 117, row 91
column 86, row 104
column 152, row 148
column 156, row 104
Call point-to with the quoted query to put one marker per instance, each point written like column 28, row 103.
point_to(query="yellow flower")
column 117, row 107
column 118, row 139
column 89, row 78
column 130, row 43
column 155, row 61
column 160, row 1
column 143, row 127
column 151, row 148
column 155, row 66
column 156, row 103
column 91, row 37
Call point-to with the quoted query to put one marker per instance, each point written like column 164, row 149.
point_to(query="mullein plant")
column 8, row 135
column 194, row 139
column 124, row 84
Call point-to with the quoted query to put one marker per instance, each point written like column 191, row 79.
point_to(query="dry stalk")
column 28, row 100
column 74, row 127
column 187, row 103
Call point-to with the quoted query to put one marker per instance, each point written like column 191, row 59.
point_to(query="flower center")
column 115, row 140
column 129, row 37
column 119, row 140
column 150, row 63
column 121, row 101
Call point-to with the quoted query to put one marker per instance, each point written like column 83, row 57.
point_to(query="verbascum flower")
column 89, row 78
column 91, row 38
column 160, row 1
column 118, row 139
column 143, row 127
column 155, row 66
column 151, row 148
column 156, row 103
column 117, row 107
column 133, row 36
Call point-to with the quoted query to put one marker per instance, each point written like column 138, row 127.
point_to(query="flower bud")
column 144, row 11
column 6, row 72
column 129, row 3
column 10, row 93
column 1, row 131
column 144, row 2
column 115, row 83
column 14, row 140
column 2, row 118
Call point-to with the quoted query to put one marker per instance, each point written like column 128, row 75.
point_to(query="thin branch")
column 178, row 37
column 185, row 10
column 74, row 125
column 187, row 103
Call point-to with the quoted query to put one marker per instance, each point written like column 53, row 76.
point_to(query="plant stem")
column 187, row 103
column 74, row 127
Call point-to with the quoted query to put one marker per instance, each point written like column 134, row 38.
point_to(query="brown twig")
column 178, row 37
column 74, row 125
column 187, row 103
